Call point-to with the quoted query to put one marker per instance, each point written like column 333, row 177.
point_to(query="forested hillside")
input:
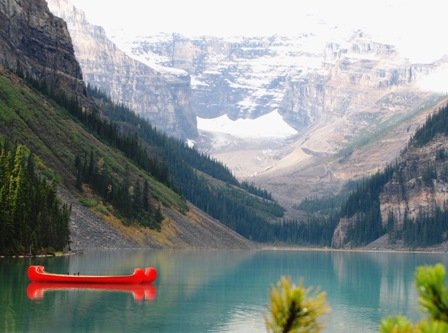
column 408, row 200
column 200, row 179
column 77, row 156
column 363, row 205
column 88, row 152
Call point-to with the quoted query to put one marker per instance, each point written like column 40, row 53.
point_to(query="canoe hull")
column 37, row 274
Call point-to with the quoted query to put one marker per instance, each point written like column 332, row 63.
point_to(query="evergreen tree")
column 32, row 218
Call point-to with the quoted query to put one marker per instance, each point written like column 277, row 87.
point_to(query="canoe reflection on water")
column 140, row 292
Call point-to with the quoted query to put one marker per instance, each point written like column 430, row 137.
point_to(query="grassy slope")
column 54, row 136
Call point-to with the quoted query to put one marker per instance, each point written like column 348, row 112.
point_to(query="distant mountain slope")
column 306, row 77
column 335, row 99
column 408, row 201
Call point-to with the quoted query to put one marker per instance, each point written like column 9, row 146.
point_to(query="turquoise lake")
column 209, row 291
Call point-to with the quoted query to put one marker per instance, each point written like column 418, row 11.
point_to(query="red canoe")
column 37, row 274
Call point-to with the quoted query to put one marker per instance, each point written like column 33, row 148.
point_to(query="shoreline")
column 354, row 250
column 48, row 255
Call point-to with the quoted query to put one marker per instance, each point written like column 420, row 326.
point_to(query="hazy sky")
column 417, row 27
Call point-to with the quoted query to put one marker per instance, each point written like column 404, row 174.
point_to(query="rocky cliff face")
column 417, row 188
column 160, row 95
column 360, row 82
column 420, row 184
column 243, row 77
column 247, row 77
column 34, row 41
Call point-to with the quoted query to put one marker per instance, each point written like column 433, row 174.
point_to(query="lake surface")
column 209, row 291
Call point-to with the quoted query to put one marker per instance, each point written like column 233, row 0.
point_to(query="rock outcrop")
column 162, row 96
column 420, row 184
column 37, row 43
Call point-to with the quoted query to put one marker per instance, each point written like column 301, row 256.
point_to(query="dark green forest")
column 364, row 205
column 331, row 204
column 131, row 200
column 436, row 123
column 426, row 230
column 32, row 219
column 314, row 230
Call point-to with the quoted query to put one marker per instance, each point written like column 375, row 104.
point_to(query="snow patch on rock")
column 270, row 125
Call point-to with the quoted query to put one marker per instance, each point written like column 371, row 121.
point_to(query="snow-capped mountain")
column 299, row 76
column 328, row 98
column 242, row 77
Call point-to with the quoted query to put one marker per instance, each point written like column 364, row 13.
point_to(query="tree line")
column 426, row 229
column 32, row 219
column 314, row 230
column 252, row 188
